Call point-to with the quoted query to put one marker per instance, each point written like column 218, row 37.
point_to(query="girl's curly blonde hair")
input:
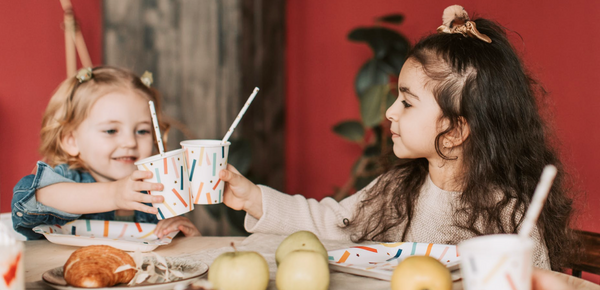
column 72, row 102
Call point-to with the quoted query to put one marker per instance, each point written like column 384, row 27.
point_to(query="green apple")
column 301, row 240
column 303, row 269
column 239, row 270
column 421, row 272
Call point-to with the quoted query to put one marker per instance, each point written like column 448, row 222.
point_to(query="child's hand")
column 127, row 192
column 240, row 193
column 173, row 224
column 546, row 280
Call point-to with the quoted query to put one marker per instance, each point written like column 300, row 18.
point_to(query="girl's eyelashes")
column 138, row 132
column 406, row 104
column 143, row 132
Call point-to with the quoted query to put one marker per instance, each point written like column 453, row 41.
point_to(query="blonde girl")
column 95, row 127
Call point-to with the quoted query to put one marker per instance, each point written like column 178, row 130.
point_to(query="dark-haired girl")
column 472, row 147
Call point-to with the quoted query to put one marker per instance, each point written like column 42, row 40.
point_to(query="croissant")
column 94, row 266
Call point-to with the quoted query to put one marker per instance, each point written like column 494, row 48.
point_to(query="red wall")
column 560, row 46
column 32, row 64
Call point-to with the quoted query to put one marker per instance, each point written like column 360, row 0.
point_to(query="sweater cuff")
column 274, row 208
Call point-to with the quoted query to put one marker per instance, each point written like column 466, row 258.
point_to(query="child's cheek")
column 145, row 148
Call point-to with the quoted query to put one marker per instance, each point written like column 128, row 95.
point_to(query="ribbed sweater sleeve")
column 284, row 214
column 433, row 220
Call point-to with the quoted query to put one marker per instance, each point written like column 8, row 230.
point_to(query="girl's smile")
column 126, row 159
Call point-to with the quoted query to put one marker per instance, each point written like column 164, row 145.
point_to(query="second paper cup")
column 205, row 158
column 171, row 171
column 499, row 262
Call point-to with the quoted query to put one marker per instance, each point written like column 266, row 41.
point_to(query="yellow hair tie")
column 84, row 74
column 147, row 78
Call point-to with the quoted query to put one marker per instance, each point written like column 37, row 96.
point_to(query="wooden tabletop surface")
column 42, row 255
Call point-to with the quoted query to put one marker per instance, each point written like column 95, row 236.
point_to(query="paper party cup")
column 205, row 158
column 171, row 171
column 496, row 262
column 12, row 269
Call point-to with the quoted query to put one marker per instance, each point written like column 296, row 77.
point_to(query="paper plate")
column 189, row 267
column 127, row 236
column 379, row 260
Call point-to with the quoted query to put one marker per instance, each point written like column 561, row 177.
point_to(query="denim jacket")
column 28, row 213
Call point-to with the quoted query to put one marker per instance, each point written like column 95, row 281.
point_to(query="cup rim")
column 157, row 157
column 484, row 242
column 203, row 143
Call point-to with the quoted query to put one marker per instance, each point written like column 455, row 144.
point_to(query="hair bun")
column 454, row 14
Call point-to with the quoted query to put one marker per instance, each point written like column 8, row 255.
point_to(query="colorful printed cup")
column 205, row 158
column 12, row 270
column 496, row 262
column 171, row 171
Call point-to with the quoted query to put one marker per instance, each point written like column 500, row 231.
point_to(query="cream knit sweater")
column 284, row 214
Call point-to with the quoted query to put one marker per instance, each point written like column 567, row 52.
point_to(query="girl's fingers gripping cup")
column 170, row 170
column 205, row 159
column 500, row 261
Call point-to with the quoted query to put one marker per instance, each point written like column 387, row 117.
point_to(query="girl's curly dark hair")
column 486, row 85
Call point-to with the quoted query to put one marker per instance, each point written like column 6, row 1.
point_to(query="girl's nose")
column 392, row 112
column 129, row 141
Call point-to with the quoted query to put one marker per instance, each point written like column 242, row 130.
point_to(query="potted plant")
column 376, row 93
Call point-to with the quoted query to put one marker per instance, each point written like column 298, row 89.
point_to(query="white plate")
column 379, row 260
column 191, row 269
column 127, row 236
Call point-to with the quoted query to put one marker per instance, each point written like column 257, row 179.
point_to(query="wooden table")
column 41, row 256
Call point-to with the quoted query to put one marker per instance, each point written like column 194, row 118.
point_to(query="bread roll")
column 94, row 266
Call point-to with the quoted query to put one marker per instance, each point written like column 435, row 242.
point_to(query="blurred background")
column 313, row 129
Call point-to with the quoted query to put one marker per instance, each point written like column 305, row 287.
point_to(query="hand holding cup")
column 127, row 192
column 241, row 193
column 170, row 170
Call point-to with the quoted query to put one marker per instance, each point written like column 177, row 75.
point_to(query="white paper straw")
column 538, row 200
column 156, row 128
column 239, row 116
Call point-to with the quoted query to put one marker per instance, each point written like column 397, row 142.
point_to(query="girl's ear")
column 457, row 136
column 69, row 144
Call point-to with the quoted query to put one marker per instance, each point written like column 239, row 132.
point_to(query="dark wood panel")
column 206, row 57
column 192, row 48
column 590, row 258
column 263, row 58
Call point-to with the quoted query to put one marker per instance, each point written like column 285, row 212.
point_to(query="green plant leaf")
column 378, row 132
column 371, row 73
column 380, row 39
column 372, row 38
column 372, row 85
column 360, row 34
column 370, row 105
column 355, row 165
column 395, row 60
column 350, row 130
column 363, row 181
column 371, row 151
column 392, row 18
column 391, row 98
